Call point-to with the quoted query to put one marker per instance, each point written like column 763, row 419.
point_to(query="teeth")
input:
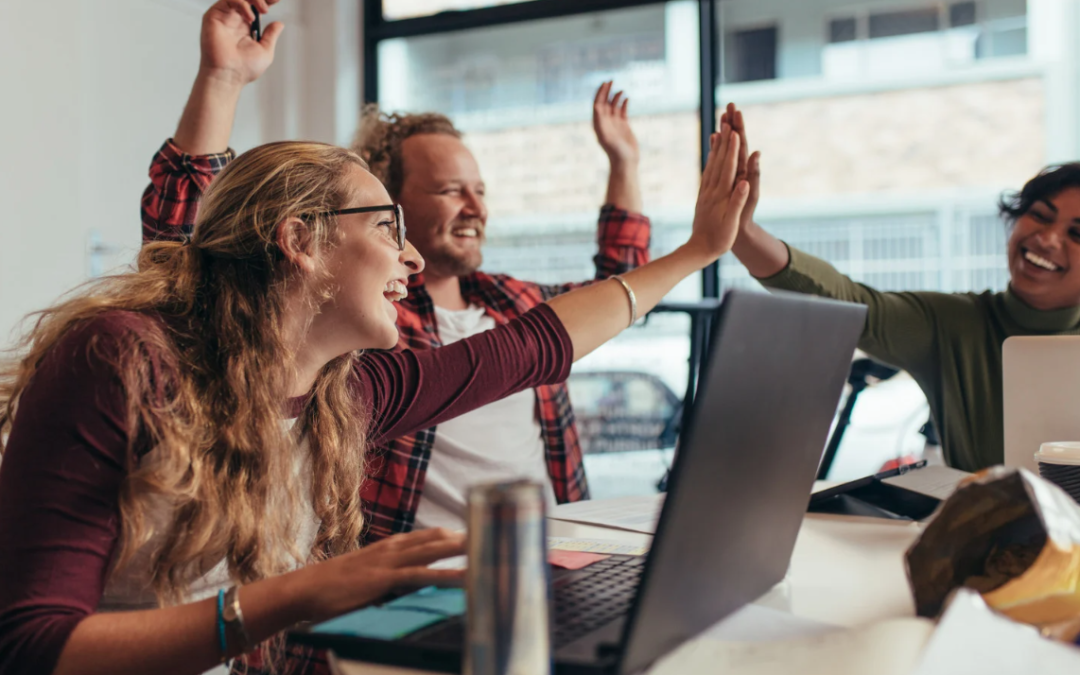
column 396, row 290
column 1040, row 261
column 467, row 232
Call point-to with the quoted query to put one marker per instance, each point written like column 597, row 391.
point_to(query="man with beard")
column 421, row 480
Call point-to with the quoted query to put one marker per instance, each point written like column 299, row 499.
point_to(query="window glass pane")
column 961, row 14
column 888, row 24
column 751, row 55
column 842, row 30
column 522, row 94
column 886, row 155
column 407, row 9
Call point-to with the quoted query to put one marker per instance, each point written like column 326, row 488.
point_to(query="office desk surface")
column 846, row 571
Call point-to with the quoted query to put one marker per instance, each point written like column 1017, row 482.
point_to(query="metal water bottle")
column 508, row 631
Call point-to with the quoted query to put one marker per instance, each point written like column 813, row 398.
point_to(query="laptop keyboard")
column 585, row 600
column 589, row 598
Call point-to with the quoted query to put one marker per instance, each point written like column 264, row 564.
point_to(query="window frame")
column 376, row 28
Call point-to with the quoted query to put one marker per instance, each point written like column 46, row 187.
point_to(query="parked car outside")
column 628, row 422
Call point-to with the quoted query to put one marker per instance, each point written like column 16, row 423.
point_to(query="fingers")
column 753, row 167
column 709, row 175
column 241, row 8
column 433, row 551
column 736, row 204
column 743, row 145
column 714, row 166
column 419, row 538
column 721, row 154
column 602, row 95
column 610, row 106
column 419, row 577
column 730, row 164
column 262, row 5
column 271, row 34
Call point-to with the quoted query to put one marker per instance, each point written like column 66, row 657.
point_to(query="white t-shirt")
column 132, row 588
column 500, row 441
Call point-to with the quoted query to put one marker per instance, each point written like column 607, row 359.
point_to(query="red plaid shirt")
column 396, row 471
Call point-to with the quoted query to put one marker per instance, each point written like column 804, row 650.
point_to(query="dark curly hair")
column 1047, row 184
column 379, row 139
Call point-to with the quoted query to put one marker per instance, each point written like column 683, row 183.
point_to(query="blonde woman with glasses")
column 184, row 444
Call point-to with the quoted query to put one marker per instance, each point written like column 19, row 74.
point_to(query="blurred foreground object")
column 1011, row 536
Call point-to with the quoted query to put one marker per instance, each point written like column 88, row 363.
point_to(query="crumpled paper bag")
column 1013, row 537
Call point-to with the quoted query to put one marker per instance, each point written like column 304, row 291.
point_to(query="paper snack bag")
column 1013, row 537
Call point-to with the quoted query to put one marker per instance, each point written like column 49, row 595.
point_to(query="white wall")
column 89, row 89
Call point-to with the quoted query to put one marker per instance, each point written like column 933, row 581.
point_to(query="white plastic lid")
column 1059, row 452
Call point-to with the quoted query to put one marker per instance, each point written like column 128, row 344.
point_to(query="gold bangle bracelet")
column 630, row 295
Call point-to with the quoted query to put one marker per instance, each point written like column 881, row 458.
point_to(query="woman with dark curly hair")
column 950, row 342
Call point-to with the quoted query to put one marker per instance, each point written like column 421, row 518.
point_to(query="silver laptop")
column 739, row 488
column 1041, row 394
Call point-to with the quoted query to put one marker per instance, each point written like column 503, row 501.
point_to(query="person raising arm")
column 950, row 343
column 419, row 480
column 196, row 429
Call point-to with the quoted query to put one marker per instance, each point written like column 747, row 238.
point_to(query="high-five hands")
column 749, row 167
column 721, row 198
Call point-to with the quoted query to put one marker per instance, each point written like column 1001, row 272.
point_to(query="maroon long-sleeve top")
column 65, row 461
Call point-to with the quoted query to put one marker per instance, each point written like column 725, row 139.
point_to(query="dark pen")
column 256, row 25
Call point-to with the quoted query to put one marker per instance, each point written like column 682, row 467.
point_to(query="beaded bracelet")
column 221, row 623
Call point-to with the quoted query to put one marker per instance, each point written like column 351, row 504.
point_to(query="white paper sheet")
column 972, row 639
column 887, row 648
column 754, row 623
column 636, row 514
column 603, row 546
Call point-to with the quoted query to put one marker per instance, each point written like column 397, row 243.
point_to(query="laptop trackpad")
column 600, row 644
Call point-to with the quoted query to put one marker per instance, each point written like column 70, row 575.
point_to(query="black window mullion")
column 373, row 20
column 709, row 62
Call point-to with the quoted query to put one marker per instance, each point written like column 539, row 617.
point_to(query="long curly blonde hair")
column 380, row 135
column 213, row 412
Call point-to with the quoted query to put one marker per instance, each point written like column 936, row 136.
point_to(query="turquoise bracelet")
column 221, row 623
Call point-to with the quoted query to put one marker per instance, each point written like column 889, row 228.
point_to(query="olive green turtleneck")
column 950, row 343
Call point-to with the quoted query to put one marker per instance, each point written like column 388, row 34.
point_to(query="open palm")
column 227, row 45
column 721, row 197
column 612, row 126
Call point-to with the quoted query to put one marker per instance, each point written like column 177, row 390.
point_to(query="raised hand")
column 722, row 196
column 612, row 126
column 228, row 50
column 749, row 168
column 231, row 58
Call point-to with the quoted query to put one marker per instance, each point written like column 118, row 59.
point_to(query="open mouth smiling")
column 1039, row 261
column 395, row 290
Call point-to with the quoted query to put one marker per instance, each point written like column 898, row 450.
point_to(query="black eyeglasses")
column 399, row 218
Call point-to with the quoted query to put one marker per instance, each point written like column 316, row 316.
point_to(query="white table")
column 845, row 570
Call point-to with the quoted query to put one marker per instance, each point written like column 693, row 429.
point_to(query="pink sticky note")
column 574, row 560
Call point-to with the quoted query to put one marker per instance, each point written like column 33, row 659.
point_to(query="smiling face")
column 1044, row 252
column 367, row 273
column 443, row 196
